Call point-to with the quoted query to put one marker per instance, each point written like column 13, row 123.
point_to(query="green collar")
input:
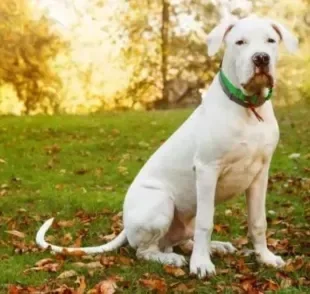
column 238, row 96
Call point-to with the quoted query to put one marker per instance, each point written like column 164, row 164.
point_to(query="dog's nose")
column 261, row 59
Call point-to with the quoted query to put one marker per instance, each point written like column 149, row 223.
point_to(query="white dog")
column 222, row 150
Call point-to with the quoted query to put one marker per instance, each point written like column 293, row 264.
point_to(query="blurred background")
column 86, row 56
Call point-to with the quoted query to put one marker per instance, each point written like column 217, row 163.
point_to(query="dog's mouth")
column 258, row 83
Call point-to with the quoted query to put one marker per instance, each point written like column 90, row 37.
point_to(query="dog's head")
column 251, row 51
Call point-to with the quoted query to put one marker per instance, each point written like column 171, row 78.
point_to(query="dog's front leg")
column 206, row 178
column 257, row 224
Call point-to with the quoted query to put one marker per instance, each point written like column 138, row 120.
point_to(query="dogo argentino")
column 223, row 149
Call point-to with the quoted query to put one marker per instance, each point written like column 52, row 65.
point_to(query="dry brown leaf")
column 173, row 270
column 155, row 284
column 76, row 253
column 81, row 171
column 90, row 265
column 222, row 229
column 64, row 289
column 107, row 260
column 242, row 266
column 16, row 233
column 106, row 287
column 82, row 285
column 248, row 284
column 241, row 241
column 273, row 242
column 78, row 242
column 108, row 238
column 125, row 260
column 50, row 267
column 44, row 261
column 65, row 224
column 181, row 288
column 66, row 239
column 13, row 289
column 53, row 149
column 286, row 283
column 294, row 264
column 67, row 274
column 271, row 285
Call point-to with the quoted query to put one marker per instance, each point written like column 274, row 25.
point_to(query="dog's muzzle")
column 261, row 59
column 261, row 75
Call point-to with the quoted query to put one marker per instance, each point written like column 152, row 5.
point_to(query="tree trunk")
column 164, row 101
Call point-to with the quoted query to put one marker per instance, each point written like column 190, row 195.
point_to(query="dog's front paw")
column 268, row 258
column 201, row 266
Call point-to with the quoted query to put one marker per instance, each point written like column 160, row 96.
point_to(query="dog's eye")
column 240, row 42
column 270, row 40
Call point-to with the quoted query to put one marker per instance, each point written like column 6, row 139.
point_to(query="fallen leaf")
column 64, row 289
column 67, row 274
column 155, row 284
column 65, row 224
column 90, row 265
column 76, row 253
column 173, row 270
column 106, row 287
column 78, row 242
column 241, row 241
column 273, row 242
column 218, row 228
column 228, row 212
column 125, row 260
column 271, row 285
column 107, row 260
column 16, row 233
column 248, row 284
column 182, row 288
column 81, row 171
column 13, row 289
column 293, row 265
column 43, row 262
column 286, row 283
column 241, row 266
column 82, row 285
column 66, row 239
column 108, row 238
column 53, row 149
column 17, row 289
column 49, row 267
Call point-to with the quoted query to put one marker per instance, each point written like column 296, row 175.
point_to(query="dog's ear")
column 289, row 40
column 217, row 36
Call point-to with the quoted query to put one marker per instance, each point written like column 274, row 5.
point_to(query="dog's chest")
column 248, row 154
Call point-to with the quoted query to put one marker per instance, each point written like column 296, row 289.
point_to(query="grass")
column 59, row 166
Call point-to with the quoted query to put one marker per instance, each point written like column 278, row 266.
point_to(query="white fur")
column 220, row 151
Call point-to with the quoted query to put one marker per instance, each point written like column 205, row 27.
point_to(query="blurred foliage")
column 86, row 56
column 26, row 49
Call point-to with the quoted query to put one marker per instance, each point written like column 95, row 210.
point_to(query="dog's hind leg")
column 222, row 247
column 147, row 224
column 216, row 247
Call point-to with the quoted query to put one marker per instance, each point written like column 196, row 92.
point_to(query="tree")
column 27, row 48
column 169, row 59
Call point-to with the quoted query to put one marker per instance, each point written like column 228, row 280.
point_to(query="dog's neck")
column 231, row 86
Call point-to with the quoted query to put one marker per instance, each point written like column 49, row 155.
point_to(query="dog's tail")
column 114, row 244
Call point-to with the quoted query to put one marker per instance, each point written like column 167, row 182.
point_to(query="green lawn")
column 79, row 167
